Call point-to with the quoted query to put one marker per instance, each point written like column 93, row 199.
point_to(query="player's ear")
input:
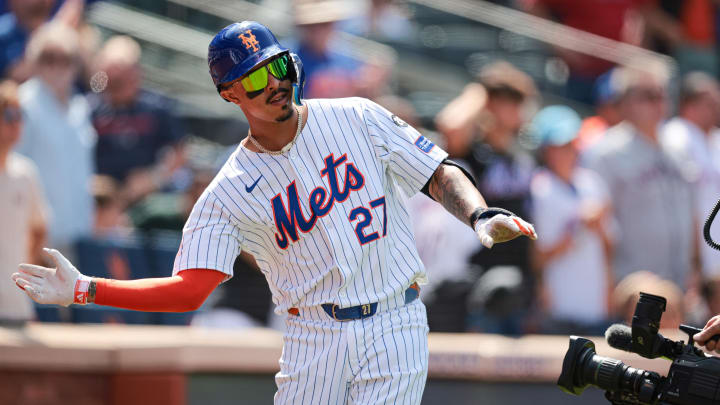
column 229, row 96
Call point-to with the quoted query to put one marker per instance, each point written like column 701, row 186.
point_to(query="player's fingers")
column 534, row 233
column 14, row 278
column 62, row 264
column 487, row 241
column 57, row 257
column 32, row 289
column 34, row 270
column 23, row 283
column 35, row 294
column 509, row 223
column 526, row 228
column 710, row 345
column 523, row 226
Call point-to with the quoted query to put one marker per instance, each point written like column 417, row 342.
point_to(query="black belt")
column 360, row 311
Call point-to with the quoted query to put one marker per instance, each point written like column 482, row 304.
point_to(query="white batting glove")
column 52, row 286
column 502, row 228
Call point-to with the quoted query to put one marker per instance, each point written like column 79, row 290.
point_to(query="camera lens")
column 583, row 367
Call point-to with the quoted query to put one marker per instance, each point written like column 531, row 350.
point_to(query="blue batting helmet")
column 240, row 47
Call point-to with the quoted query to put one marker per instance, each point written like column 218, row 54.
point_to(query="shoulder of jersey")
column 231, row 168
column 340, row 102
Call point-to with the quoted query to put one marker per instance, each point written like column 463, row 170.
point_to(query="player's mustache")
column 275, row 93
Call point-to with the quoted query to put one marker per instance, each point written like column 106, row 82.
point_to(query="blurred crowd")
column 618, row 197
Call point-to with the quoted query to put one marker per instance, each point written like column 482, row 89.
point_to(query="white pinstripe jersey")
column 326, row 221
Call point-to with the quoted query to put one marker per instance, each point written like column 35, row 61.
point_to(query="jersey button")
column 293, row 154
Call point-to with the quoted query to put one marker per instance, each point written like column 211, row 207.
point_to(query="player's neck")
column 274, row 135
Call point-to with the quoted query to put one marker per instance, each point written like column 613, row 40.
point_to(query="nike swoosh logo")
column 250, row 188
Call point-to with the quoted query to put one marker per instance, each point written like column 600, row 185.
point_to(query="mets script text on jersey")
column 290, row 218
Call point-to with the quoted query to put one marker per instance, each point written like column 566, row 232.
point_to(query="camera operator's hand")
column 712, row 327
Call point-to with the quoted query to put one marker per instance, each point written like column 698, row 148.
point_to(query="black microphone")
column 619, row 336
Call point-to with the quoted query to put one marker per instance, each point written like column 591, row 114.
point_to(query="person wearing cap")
column 652, row 199
column 58, row 135
column 571, row 208
column 693, row 141
column 330, row 70
column 140, row 140
column 481, row 127
column 607, row 112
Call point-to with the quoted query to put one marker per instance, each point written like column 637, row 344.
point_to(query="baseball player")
column 315, row 193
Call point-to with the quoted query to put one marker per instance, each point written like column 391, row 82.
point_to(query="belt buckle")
column 335, row 317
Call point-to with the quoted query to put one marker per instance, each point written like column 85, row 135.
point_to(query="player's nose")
column 273, row 83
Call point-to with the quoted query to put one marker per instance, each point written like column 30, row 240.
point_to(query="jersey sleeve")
column 411, row 158
column 211, row 239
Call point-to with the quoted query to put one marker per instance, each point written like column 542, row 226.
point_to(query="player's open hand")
column 48, row 285
column 502, row 228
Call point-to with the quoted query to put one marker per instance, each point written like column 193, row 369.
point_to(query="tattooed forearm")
column 455, row 192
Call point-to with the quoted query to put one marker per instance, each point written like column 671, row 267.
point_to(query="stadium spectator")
column 607, row 112
column 331, row 69
column 693, row 140
column 621, row 20
column 571, row 209
column 382, row 19
column 139, row 139
column 25, row 16
column 58, row 134
column 481, row 127
column 169, row 212
column 652, row 200
column 627, row 292
column 23, row 210
column 110, row 217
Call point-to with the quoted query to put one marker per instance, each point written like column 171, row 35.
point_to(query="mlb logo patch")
column 424, row 144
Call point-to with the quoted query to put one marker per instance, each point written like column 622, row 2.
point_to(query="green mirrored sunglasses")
column 258, row 79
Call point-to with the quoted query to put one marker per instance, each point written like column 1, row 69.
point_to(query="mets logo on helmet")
column 250, row 41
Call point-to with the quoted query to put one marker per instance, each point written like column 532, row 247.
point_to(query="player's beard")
column 289, row 113
column 285, row 117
